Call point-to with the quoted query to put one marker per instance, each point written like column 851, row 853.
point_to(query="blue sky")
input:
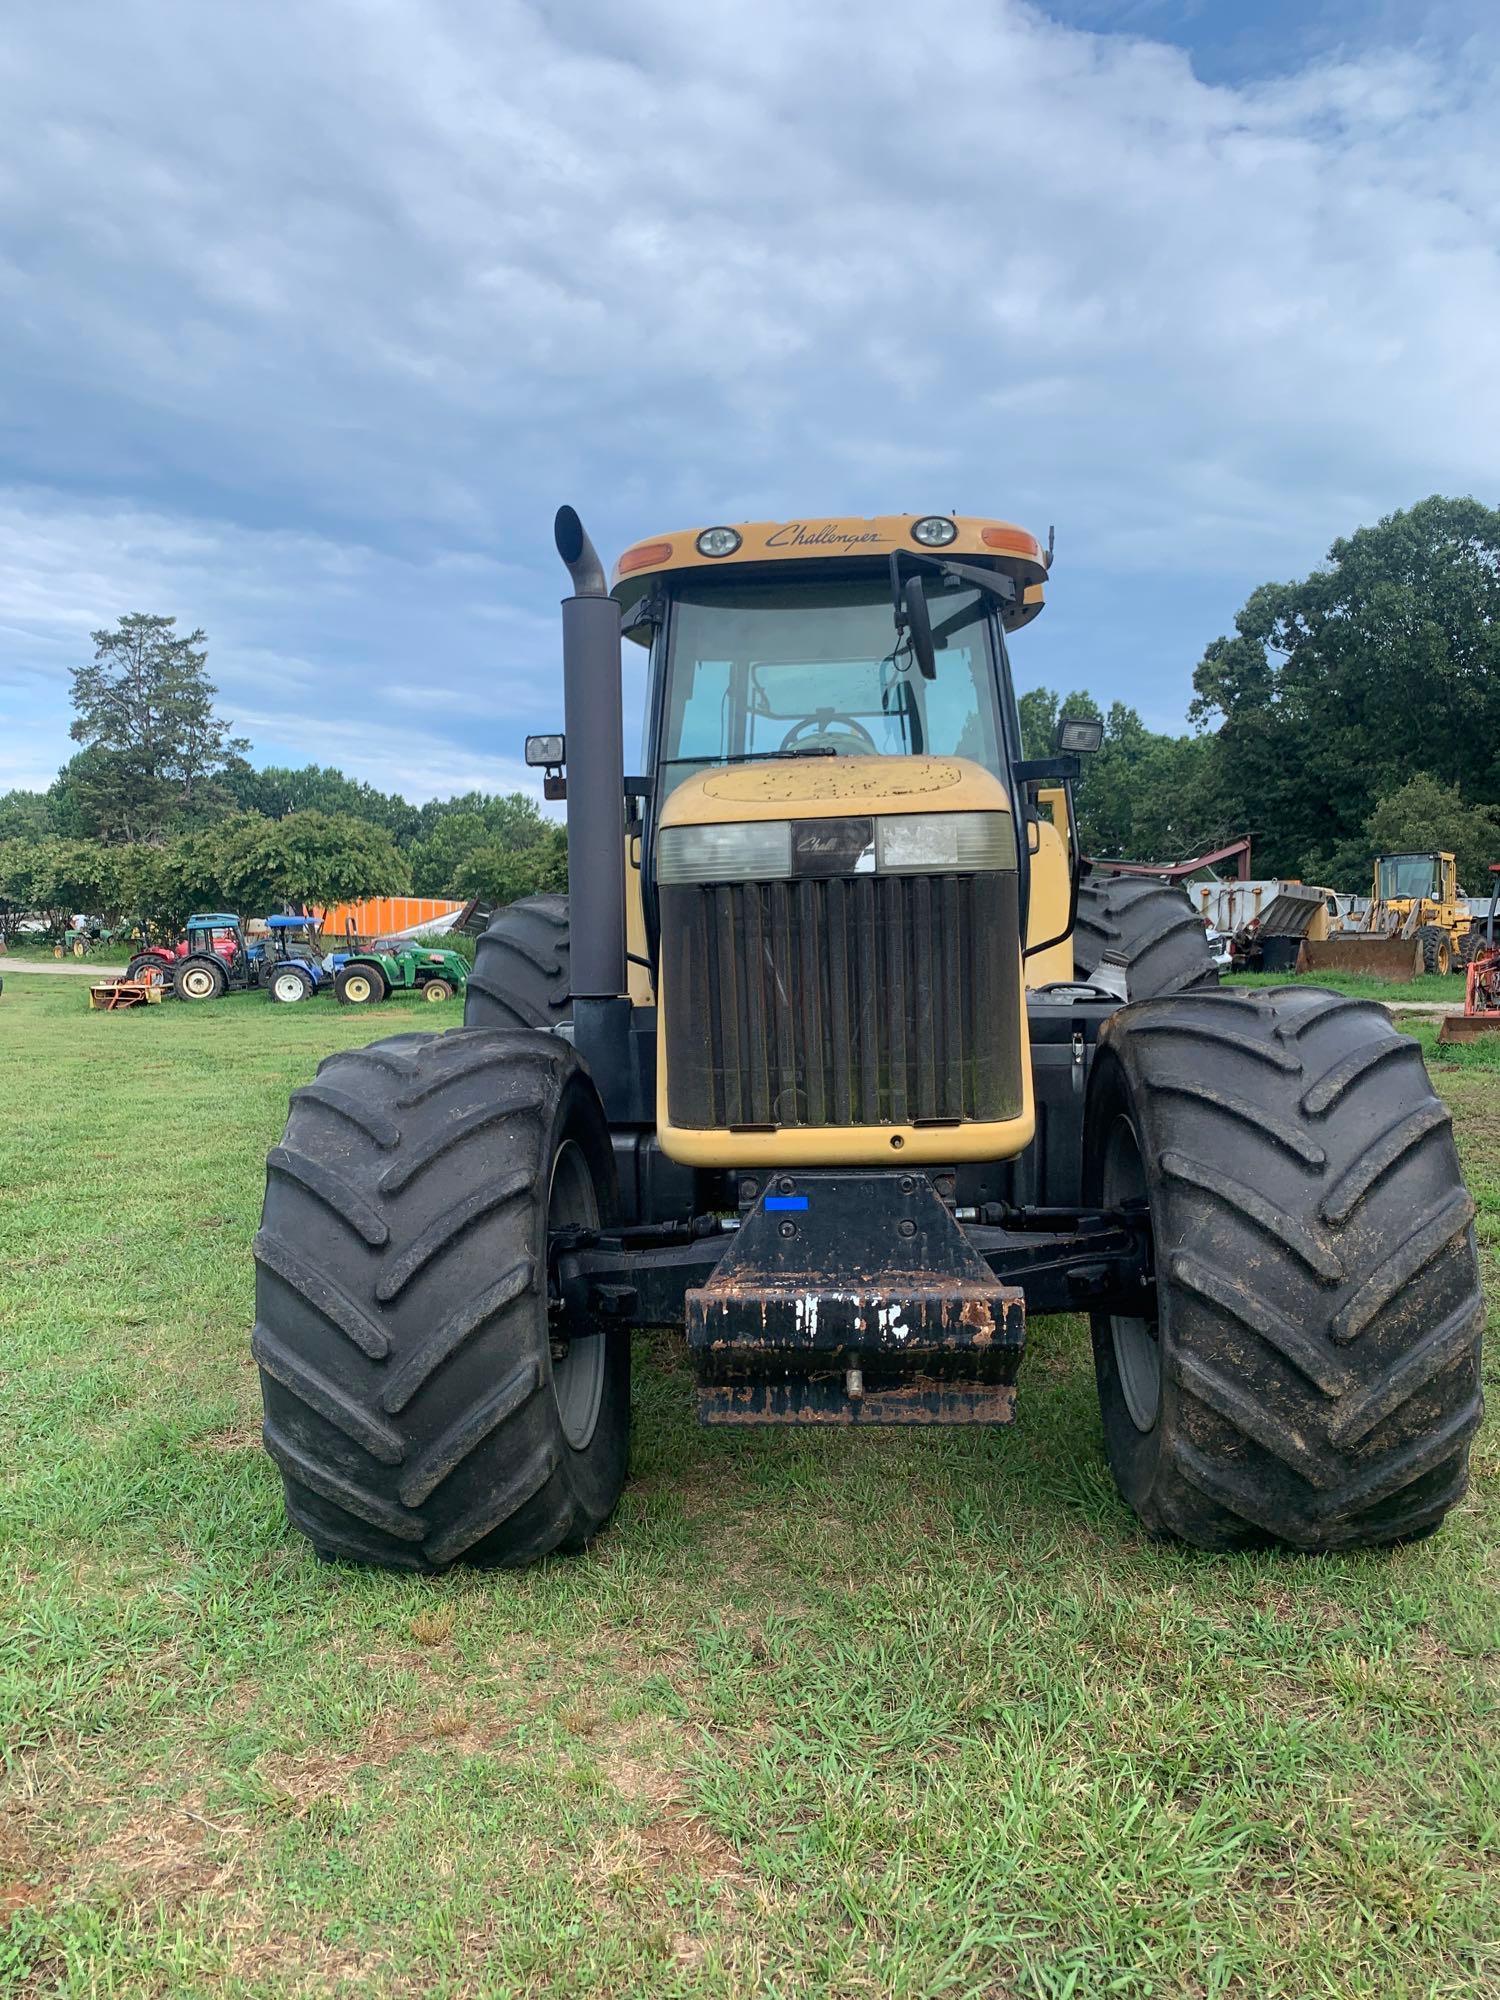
column 311, row 313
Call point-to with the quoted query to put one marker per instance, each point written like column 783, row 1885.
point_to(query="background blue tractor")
column 294, row 968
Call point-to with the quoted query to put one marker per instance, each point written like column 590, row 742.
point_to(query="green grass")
column 1447, row 986
column 880, row 1715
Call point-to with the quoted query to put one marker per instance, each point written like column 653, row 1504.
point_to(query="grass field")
column 1446, row 986
column 889, row 1715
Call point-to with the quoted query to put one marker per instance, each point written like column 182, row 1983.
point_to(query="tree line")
column 160, row 812
column 1352, row 712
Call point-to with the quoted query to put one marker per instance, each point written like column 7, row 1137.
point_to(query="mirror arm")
column 1064, row 769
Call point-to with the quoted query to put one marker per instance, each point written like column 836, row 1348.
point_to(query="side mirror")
column 919, row 624
column 1078, row 734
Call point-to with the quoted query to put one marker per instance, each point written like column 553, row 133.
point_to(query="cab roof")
column 999, row 545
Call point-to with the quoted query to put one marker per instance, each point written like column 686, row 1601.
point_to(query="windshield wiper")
column 759, row 756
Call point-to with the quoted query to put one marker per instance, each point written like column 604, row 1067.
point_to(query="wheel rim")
column 578, row 1371
column 435, row 989
column 198, row 984
column 287, row 987
column 357, row 989
column 1137, row 1341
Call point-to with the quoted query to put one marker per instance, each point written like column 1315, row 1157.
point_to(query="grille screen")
column 855, row 1000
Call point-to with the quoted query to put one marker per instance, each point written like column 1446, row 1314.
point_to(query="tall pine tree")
column 144, row 710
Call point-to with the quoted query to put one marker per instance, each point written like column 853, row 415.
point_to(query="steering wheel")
column 842, row 732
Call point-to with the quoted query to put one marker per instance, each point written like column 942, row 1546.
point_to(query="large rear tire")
column 148, row 970
column 1152, row 926
column 1311, row 1375
column 360, row 985
column 422, row 1402
column 521, row 975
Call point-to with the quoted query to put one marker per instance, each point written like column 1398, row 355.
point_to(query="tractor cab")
column 1402, row 879
column 215, row 958
column 219, row 932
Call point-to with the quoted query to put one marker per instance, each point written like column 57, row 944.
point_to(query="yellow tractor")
column 837, row 1061
column 1416, row 922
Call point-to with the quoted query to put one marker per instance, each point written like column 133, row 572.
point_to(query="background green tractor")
column 364, row 978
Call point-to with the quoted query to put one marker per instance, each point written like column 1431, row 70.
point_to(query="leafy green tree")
column 25, row 816
column 500, row 873
column 455, row 830
column 86, row 879
column 437, row 860
column 145, row 706
column 1424, row 816
column 1336, row 690
column 1038, row 707
column 1143, row 795
column 55, row 880
column 324, row 858
column 256, row 865
column 277, row 790
column 25, row 882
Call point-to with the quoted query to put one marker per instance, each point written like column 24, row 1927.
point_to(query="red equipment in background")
column 1481, row 1015
column 156, row 964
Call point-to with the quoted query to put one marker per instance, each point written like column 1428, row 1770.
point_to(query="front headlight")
column 748, row 851
column 944, row 843
column 961, row 843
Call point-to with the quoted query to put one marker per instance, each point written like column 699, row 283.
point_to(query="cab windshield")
column 1403, row 875
column 778, row 669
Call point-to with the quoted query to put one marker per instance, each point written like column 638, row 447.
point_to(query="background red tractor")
column 216, row 938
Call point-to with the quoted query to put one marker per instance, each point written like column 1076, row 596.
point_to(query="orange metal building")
column 384, row 916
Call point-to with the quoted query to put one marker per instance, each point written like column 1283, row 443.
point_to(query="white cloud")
column 333, row 304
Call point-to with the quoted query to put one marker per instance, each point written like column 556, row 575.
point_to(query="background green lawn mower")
column 363, row 979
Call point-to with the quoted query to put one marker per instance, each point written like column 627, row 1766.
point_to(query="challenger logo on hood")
column 826, row 535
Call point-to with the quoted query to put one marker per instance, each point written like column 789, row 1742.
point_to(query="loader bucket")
column 1392, row 958
column 1468, row 1027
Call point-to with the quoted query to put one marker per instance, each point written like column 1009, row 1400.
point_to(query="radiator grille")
column 854, row 1000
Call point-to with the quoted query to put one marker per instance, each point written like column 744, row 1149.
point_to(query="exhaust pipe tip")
column 580, row 558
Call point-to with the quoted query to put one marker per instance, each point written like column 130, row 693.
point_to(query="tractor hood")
column 832, row 788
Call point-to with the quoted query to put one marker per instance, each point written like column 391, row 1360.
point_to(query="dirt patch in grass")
column 233, row 1438
column 160, row 1858
column 646, row 1765
column 23, row 1875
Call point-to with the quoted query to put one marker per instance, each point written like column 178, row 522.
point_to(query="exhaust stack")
column 596, row 767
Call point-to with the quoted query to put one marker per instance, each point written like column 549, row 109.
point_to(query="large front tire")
column 1152, row 926
column 1311, row 1374
column 422, row 1403
column 522, row 968
column 1437, row 949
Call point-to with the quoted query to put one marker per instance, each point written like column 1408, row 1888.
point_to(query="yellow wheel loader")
column 836, row 1061
column 1416, row 922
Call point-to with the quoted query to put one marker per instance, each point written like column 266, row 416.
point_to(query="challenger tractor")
column 837, row 1061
